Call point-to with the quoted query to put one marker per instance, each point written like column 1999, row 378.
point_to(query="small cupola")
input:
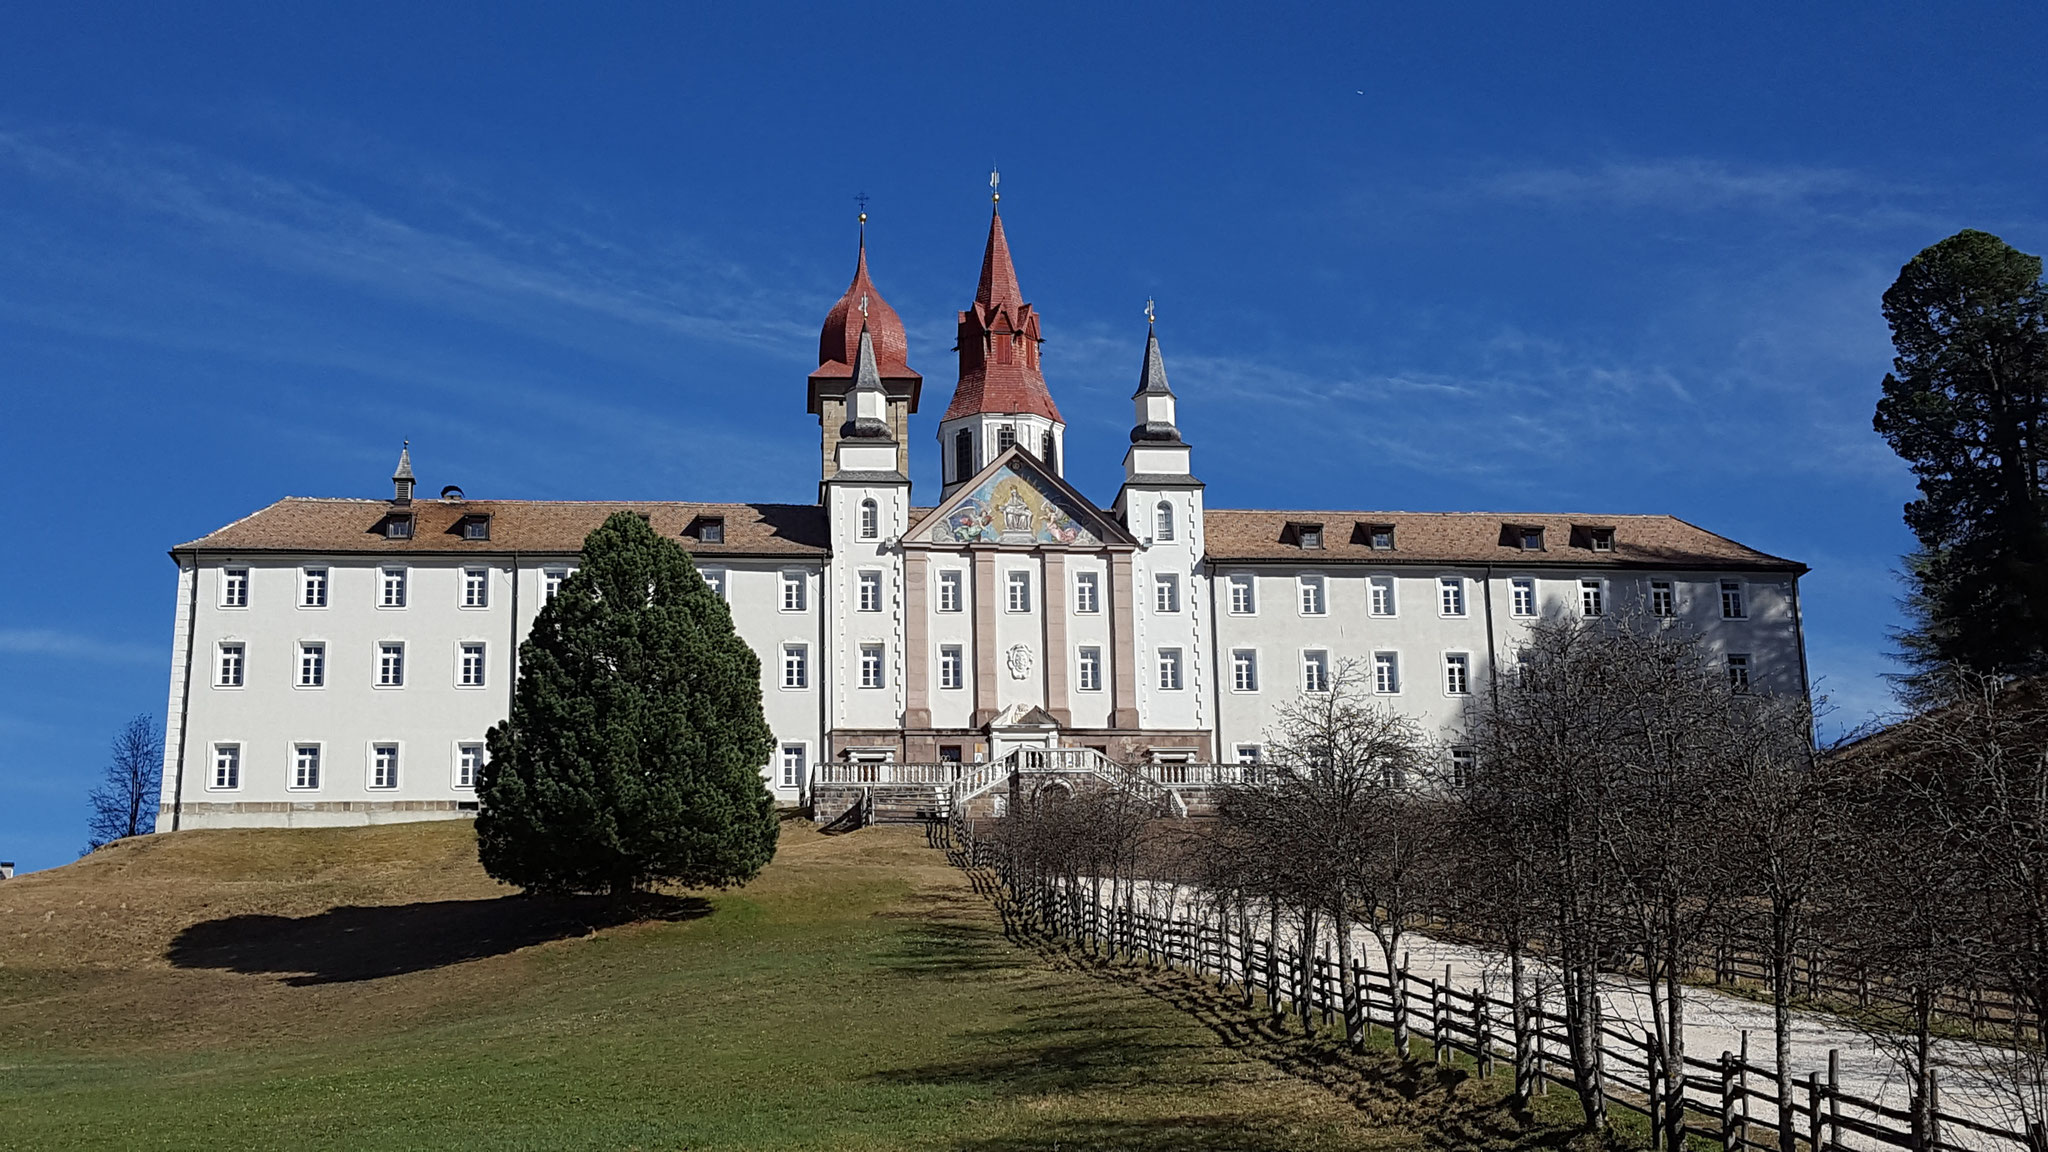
column 401, row 480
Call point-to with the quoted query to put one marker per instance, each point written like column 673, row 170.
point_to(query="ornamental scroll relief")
column 1020, row 661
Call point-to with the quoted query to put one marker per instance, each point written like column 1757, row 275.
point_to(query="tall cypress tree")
column 1965, row 405
column 634, row 750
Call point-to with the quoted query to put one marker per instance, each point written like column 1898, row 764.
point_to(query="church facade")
column 338, row 661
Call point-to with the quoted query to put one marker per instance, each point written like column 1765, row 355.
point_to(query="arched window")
column 1165, row 518
column 870, row 520
column 963, row 455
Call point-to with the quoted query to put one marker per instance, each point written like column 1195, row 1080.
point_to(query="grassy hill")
column 371, row 988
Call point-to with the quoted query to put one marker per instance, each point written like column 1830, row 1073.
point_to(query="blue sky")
column 1484, row 256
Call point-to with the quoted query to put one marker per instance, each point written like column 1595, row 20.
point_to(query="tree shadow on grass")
column 353, row 943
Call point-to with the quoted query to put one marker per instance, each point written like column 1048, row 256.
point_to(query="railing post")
column 1482, row 1028
column 1814, row 1141
column 1834, row 1096
column 1731, row 1133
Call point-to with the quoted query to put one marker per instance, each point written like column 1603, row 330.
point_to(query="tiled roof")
column 840, row 336
column 306, row 524
column 1479, row 538
column 1014, row 384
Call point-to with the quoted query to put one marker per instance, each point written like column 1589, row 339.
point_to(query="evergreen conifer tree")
column 634, row 749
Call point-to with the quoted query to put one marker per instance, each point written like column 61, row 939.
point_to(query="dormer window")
column 1531, row 538
column 1306, row 535
column 1380, row 537
column 476, row 527
column 398, row 527
column 1593, row 537
column 708, row 529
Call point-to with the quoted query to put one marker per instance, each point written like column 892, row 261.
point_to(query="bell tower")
column 862, row 307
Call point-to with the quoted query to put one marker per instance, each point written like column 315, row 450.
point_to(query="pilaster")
column 1054, row 656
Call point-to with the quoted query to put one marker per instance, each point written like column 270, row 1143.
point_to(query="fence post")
column 1933, row 1110
column 1813, row 1113
column 1834, row 1096
column 1731, row 1135
column 1742, row 1080
column 1439, row 1053
column 1482, row 1028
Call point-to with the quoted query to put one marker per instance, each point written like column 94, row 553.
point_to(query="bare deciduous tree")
column 125, row 802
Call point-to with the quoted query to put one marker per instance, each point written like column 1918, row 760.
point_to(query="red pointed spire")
column 999, row 370
column 839, row 339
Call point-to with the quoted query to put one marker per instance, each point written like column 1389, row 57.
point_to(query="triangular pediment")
column 1015, row 500
column 1023, row 716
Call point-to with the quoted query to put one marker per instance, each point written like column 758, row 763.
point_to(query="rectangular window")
column 551, row 583
column 1380, row 592
column 792, row 766
column 1166, row 592
column 1457, row 674
column 1381, row 537
column 1243, row 594
column 796, row 666
column 871, row 665
column 1464, row 766
column 1315, row 671
column 1087, row 593
column 476, row 528
column 1738, row 671
column 1592, row 598
column 469, row 760
column 1244, row 670
column 305, row 766
column 710, row 529
column 476, row 588
column 1309, row 535
column 1311, row 595
column 1450, row 595
column 952, row 667
column 234, row 587
column 398, row 528
column 1602, row 539
column 313, row 588
column 1248, row 753
column 951, row 582
column 792, row 591
column 1662, row 602
column 1169, row 669
column 871, row 591
column 391, row 665
column 392, row 590
column 231, row 666
column 1386, row 673
column 1532, row 539
column 1006, row 435
column 1732, row 607
column 1088, row 676
column 715, row 577
column 1019, row 584
column 472, row 674
column 384, row 766
column 312, row 665
column 227, row 766
column 1522, row 596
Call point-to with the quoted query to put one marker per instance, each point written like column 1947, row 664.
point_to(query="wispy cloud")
column 72, row 646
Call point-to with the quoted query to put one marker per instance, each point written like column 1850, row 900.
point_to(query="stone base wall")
column 314, row 813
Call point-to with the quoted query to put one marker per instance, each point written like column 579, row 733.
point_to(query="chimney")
column 6, row 869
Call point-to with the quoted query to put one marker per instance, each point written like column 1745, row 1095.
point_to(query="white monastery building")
column 338, row 661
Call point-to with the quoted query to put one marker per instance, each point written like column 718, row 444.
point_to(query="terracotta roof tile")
column 1479, row 538
column 307, row 524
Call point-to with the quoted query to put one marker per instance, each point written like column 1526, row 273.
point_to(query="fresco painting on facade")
column 1008, row 509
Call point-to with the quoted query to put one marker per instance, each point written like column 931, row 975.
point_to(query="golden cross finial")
column 1149, row 317
column 995, row 184
column 862, row 200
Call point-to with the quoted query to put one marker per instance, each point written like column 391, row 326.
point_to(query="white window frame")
column 317, row 650
column 1244, row 594
column 797, row 658
column 1738, row 592
column 1166, row 593
column 1382, row 600
column 391, row 587
column 1162, row 521
column 1386, row 672
column 868, row 581
column 1250, row 753
column 789, row 775
column 1451, row 601
column 1741, row 670
column 952, row 590
column 226, row 674
column 314, row 586
column 1457, row 673
column 462, row 665
column 372, row 767
column 1315, row 670
column 462, row 749
column 874, row 665
column 234, row 587
column 1670, row 590
column 476, row 588
column 227, row 756
column 952, row 667
column 297, row 781
column 1088, row 668
column 384, row 680
column 1312, row 586
column 716, row 578
column 1522, row 597
column 794, row 596
column 551, row 581
column 1017, row 590
column 1171, row 665
column 870, row 519
column 1464, row 767
column 1598, row 602
column 1087, row 594
column 1244, row 670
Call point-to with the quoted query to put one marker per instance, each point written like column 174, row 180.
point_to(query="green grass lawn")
column 857, row 995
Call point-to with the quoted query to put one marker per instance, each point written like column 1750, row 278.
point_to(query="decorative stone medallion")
column 1020, row 661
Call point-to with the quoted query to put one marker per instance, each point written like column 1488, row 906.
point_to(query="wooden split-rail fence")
column 1731, row 1101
